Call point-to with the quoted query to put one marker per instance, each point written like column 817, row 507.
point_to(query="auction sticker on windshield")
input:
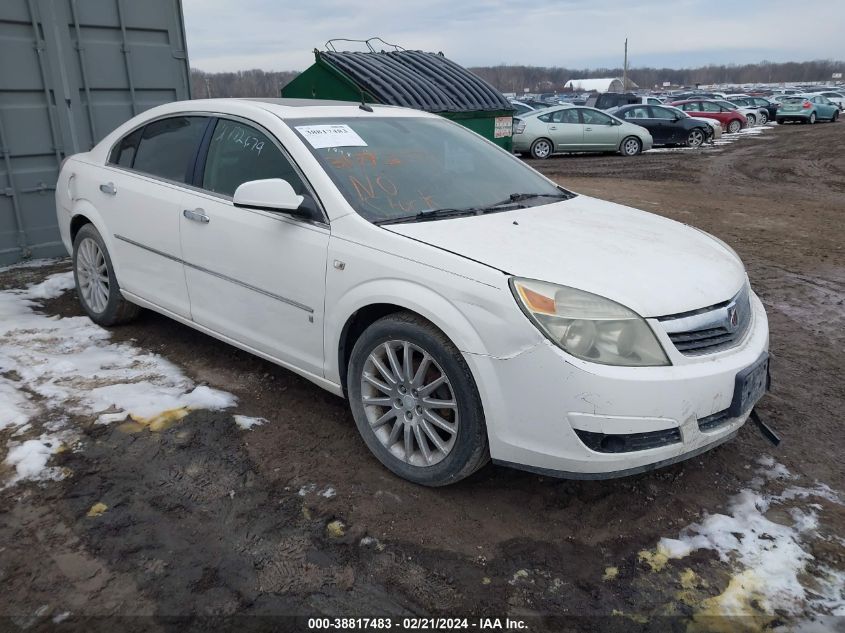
column 334, row 135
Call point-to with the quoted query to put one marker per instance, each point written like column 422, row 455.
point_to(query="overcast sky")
column 228, row 35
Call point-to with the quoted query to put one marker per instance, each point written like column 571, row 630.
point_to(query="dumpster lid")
column 419, row 80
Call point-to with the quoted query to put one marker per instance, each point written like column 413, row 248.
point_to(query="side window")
column 565, row 116
column 239, row 153
column 662, row 113
column 638, row 112
column 591, row 117
column 168, row 146
column 545, row 118
column 123, row 153
column 653, row 101
column 709, row 106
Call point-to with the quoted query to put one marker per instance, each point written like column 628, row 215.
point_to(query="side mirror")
column 274, row 194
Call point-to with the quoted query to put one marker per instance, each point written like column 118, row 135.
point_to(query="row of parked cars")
column 631, row 124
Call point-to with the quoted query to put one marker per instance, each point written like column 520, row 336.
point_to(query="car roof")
column 285, row 108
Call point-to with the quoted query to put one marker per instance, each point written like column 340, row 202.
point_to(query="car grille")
column 710, row 329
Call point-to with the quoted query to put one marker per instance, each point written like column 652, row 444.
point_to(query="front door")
column 600, row 133
column 671, row 131
column 565, row 129
column 257, row 277
column 139, row 200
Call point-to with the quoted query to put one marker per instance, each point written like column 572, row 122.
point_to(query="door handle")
column 588, row 129
column 552, row 127
column 197, row 215
column 108, row 188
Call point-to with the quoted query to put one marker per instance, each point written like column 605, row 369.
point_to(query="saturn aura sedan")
column 467, row 307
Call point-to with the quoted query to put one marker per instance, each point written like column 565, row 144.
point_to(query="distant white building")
column 605, row 84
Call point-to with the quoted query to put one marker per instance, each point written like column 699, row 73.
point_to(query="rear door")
column 672, row 131
column 640, row 115
column 600, row 134
column 139, row 195
column 565, row 129
column 257, row 277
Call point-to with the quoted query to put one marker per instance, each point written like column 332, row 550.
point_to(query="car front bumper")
column 543, row 408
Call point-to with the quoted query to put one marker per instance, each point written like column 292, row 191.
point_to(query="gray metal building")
column 70, row 72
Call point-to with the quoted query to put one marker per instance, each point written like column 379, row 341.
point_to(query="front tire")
column 734, row 126
column 630, row 146
column 415, row 402
column 541, row 149
column 834, row 117
column 696, row 138
column 752, row 120
column 764, row 118
column 96, row 284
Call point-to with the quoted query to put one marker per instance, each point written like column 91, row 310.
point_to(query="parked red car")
column 731, row 120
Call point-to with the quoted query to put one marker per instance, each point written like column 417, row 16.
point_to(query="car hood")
column 652, row 265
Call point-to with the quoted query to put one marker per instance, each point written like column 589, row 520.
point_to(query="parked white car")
column 466, row 306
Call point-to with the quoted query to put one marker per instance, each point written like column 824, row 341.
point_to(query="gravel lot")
column 202, row 517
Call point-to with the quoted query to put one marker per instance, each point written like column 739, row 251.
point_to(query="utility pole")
column 625, row 68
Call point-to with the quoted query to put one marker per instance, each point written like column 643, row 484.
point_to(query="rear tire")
column 96, row 285
column 541, row 149
column 630, row 146
column 780, row 121
column 812, row 118
column 432, row 438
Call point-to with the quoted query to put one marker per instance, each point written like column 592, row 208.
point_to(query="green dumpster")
column 411, row 79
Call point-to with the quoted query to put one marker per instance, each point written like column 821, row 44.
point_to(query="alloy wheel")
column 541, row 149
column 631, row 147
column 695, row 138
column 734, row 126
column 409, row 403
column 93, row 275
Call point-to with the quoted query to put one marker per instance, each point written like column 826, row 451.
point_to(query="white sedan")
column 466, row 306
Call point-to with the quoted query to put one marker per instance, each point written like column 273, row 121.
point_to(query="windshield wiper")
column 505, row 205
column 428, row 214
column 519, row 197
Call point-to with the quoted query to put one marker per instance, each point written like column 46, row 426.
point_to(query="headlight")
column 588, row 326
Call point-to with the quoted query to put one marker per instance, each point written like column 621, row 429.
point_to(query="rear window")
column 123, row 153
column 168, row 146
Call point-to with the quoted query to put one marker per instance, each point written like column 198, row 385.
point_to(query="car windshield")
column 390, row 168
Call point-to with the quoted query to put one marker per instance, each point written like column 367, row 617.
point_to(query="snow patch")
column 29, row 459
column 51, row 287
column 52, row 368
column 247, row 423
column 772, row 557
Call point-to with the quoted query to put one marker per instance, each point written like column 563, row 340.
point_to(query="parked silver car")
column 577, row 129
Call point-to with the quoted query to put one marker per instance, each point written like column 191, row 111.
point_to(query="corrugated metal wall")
column 70, row 72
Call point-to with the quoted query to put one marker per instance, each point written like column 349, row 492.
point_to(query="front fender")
column 465, row 318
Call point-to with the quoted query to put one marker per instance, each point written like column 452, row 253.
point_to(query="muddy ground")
column 207, row 519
